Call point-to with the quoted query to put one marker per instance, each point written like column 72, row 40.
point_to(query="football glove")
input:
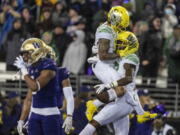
column 20, row 64
column 20, row 127
column 67, row 125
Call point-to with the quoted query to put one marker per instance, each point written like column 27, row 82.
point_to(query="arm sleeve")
column 68, row 94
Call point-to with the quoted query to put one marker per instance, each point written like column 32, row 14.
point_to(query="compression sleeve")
column 68, row 94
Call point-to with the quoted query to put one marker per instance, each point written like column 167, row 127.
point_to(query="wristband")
column 24, row 71
column 21, row 121
column 114, row 84
column 38, row 85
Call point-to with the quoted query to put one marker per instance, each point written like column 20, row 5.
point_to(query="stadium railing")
column 162, row 90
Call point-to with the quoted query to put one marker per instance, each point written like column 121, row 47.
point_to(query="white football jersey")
column 119, row 67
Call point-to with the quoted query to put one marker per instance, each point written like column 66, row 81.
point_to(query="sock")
column 112, row 94
column 88, row 130
column 138, row 108
column 98, row 103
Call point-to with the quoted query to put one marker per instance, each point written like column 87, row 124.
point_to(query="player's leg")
column 34, row 125
column 90, row 128
column 111, row 112
column 105, row 73
column 121, row 126
column 52, row 125
column 133, row 99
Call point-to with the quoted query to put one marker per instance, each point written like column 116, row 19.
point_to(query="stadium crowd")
column 69, row 27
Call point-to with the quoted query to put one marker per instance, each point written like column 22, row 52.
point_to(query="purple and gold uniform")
column 45, row 116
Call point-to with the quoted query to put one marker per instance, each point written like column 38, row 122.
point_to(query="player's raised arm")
column 41, row 81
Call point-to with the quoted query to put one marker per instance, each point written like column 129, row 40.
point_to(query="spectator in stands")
column 148, row 12
column 11, row 113
column 46, row 3
column 74, row 20
column 11, row 11
column 76, row 53
column 152, row 49
column 172, row 54
column 45, row 23
column 140, row 28
column 27, row 20
column 98, row 18
column 160, row 126
column 61, row 40
column 13, row 43
column 47, row 37
column 60, row 14
column 169, row 20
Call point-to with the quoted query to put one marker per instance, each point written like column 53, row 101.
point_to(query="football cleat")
column 146, row 116
column 91, row 109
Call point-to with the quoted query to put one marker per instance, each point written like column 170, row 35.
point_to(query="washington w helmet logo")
column 36, row 45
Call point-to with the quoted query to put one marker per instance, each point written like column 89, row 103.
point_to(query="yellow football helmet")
column 37, row 49
column 118, row 17
column 126, row 43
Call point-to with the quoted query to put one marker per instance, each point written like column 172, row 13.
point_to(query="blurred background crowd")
column 69, row 27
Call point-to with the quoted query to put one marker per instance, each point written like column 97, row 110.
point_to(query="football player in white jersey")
column 105, row 57
column 103, row 63
column 124, row 75
column 116, row 112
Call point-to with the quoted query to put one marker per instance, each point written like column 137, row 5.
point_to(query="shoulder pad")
column 132, row 57
column 104, row 29
column 63, row 73
column 48, row 64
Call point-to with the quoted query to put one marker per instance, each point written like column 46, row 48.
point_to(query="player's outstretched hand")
column 101, row 87
column 67, row 125
column 20, row 127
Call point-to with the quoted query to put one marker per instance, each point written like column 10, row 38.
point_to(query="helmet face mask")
column 118, row 17
column 126, row 43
